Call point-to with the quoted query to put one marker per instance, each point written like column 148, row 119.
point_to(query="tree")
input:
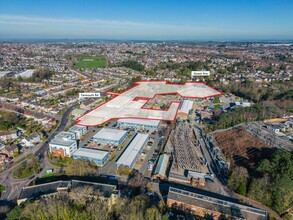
column 275, row 189
column 137, row 182
column 6, row 83
column 241, row 189
column 81, row 168
column 10, row 117
column 133, row 64
column 238, row 179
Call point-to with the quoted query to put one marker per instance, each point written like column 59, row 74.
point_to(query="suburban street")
column 13, row 186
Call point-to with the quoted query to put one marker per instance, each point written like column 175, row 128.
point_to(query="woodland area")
column 132, row 64
column 9, row 120
column 272, row 101
column 271, row 184
column 84, row 203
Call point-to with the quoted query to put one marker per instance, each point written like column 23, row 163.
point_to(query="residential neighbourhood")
column 192, row 130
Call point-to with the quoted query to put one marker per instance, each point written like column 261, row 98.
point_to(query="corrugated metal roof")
column 140, row 121
column 186, row 106
column 162, row 165
column 132, row 150
column 90, row 153
column 110, row 134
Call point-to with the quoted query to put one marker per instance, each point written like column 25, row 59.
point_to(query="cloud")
column 29, row 26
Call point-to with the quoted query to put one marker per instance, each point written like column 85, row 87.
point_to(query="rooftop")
column 65, row 134
column 76, row 128
column 129, row 104
column 63, row 140
column 42, row 189
column 110, row 134
column 162, row 165
column 140, row 121
column 185, row 107
column 132, row 150
column 106, row 189
column 216, row 202
column 90, row 153
column 36, row 191
column 26, row 73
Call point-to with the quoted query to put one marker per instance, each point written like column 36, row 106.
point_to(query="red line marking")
column 147, row 98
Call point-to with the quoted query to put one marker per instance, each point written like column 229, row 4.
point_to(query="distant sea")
column 19, row 40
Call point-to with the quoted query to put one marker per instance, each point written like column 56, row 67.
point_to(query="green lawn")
column 91, row 62
column 59, row 162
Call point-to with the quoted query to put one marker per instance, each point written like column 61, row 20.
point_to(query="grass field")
column 91, row 62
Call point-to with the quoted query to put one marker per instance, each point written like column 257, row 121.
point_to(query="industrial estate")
column 125, row 130
column 130, row 104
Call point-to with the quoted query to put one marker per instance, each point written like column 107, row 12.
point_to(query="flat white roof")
column 65, row 134
column 110, row 134
column 186, row 106
column 65, row 142
column 132, row 150
column 77, row 128
column 90, row 153
column 129, row 105
column 26, row 73
column 140, row 121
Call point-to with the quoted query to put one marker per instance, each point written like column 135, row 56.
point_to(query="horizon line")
column 40, row 39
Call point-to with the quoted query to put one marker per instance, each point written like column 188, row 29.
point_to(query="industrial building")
column 204, row 203
column 161, row 168
column 106, row 192
column 110, row 136
column 63, row 145
column 185, row 108
column 78, row 130
column 139, row 124
column 131, row 102
column 99, row 157
column 131, row 153
column 25, row 74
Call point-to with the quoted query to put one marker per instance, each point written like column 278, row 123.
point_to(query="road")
column 13, row 186
column 219, row 184
column 110, row 168
column 154, row 147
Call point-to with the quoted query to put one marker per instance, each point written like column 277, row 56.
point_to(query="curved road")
column 14, row 186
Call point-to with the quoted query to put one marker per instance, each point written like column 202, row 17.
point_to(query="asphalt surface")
column 41, row 151
column 154, row 147
column 14, row 186
column 110, row 167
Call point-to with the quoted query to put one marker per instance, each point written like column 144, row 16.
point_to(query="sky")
column 147, row 19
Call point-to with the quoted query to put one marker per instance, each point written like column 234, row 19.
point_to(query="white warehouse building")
column 143, row 124
column 110, row 136
column 99, row 157
column 131, row 153
column 185, row 108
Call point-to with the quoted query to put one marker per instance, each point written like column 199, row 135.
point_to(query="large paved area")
column 130, row 104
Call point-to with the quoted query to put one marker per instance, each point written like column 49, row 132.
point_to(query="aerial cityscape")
column 146, row 110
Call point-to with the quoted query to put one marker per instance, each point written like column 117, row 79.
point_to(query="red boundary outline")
column 136, row 83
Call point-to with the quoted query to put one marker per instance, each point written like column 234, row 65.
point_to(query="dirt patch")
column 241, row 148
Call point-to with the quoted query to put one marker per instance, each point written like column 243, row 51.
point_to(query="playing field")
column 91, row 62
